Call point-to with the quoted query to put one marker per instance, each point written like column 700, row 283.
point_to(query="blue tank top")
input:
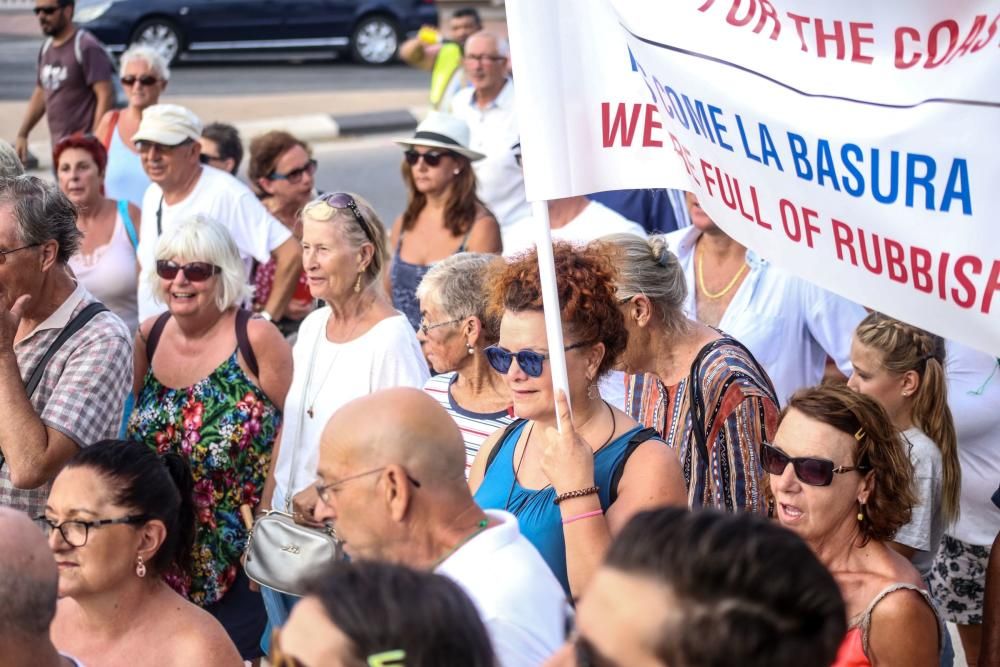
column 535, row 510
column 124, row 177
column 405, row 278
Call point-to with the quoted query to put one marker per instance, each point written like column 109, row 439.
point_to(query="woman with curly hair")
column 841, row 479
column 571, row 491
column 443, row 215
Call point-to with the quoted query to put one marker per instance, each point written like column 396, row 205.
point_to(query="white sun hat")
column 441, row 130
column 168, row 125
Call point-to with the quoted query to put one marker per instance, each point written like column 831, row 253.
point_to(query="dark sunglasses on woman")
column 196, row 272
column 810, row 470
column 431, row 158
column 528, row 360
column 295, row 175
column 143, row 80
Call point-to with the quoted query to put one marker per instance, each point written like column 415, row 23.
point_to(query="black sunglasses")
column 143, row 80
column 295, row 175
column 529, row 361
column 48, row 11
column 432, row 158
column 196, row 272
column 809, row 470
column 342, row 200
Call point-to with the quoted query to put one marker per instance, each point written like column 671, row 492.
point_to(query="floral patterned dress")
column 225, row 426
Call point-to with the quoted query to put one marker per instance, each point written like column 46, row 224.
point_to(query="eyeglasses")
column 481, row 57
column 142, row 80
column 342, row 200
column 529, row 361
column 205, row 158
column 196, row 272
column 146, row 146
column 323, row 490
column 809, row 470
column 47, row 10
column 295, row 175
column 75, row 533
column 424, row 327
column 622, row 302
column 4, row 253
column 431, row 158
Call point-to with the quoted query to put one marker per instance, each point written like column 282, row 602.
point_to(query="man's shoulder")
column 102, row 326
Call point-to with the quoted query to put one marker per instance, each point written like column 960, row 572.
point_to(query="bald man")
column 29, row 584
column 392, row 483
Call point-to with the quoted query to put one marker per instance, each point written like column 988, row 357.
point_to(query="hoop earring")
column 140, row 567
column 357, row 283
column 593, row 393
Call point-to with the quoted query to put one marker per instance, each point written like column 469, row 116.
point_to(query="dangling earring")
column 140, row 567
column 471, row 349
column 357, row 283
column 592, row 392
column 457, row 172
column 861, row 513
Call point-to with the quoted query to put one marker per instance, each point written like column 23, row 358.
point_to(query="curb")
column 312, row 128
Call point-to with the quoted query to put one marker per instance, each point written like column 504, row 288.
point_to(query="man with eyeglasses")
column 29, row 587
column 488, row 108
column 73, row 87
column 169, row 143
column 392, row 483
column 65, row 360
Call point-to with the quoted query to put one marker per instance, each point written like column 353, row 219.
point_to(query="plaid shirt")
column 82, row 391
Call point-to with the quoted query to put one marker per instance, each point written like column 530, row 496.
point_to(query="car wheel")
column 374, row 40
column 161, row 35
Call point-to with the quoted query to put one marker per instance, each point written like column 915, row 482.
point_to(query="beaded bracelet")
column 579, row 493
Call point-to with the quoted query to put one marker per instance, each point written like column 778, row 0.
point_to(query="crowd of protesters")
column 745, row 469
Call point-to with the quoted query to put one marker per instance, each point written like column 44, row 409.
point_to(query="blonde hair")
column 903, row 348
column 202, row 239
column 318, row 210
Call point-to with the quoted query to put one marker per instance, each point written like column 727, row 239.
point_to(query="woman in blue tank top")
column 571, row 491
column 443, row 215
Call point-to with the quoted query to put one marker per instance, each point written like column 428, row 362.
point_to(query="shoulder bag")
column 280, row 552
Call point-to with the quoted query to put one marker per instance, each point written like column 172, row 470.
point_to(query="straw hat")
column 168, row 125
column 441, row 130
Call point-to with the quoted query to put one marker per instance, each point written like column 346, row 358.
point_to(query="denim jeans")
column 278, row 606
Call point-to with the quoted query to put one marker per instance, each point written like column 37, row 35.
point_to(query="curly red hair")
column 87, row 142
column 585, row 279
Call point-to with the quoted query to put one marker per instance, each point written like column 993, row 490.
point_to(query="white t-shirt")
column 519, row 600
column 387, row 355
column 926, row 526
column 593, row 222
column 789, row 324
column 974, row 398
column 217, row 195
column 493, row 132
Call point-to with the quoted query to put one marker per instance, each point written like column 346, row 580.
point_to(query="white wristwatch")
column 266, row 315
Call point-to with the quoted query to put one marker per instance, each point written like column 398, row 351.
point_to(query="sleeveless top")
column 124, row 177
column 110, row 271
column 405, row 278
column 535, row 510
column 854, row 648
column 224, row 426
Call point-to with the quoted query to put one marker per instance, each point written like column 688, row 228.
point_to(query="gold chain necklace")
column 700, row 263
column 329, row 368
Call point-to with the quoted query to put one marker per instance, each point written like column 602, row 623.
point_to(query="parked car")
column 369, row 30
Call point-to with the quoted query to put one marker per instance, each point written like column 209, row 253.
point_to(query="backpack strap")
column 503, row 438
column 640, row 437
column 74, row 325
column 154, row 336
column 243, row 340
column 127, row 221
column 112, row 124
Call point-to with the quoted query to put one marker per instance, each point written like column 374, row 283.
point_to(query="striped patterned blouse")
column 475, row 426
column 740, row 412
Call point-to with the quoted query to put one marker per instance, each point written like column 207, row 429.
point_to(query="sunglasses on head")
column 145, row 80
column 196, row 272
column 431, row 158
column 809, row 470
column 48, row 10
column 341, row 200
column 295, row 175
column 528, row 360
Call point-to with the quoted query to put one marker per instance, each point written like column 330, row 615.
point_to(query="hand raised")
column 568, row 461
column 10, row 317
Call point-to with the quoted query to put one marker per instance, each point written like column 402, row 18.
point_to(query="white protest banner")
column 854, row 143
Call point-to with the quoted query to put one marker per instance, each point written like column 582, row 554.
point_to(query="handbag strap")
column 290, row 488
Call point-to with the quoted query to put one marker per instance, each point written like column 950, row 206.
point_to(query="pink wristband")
column 585, row 515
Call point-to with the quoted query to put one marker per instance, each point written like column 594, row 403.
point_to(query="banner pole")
column 550, row 302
